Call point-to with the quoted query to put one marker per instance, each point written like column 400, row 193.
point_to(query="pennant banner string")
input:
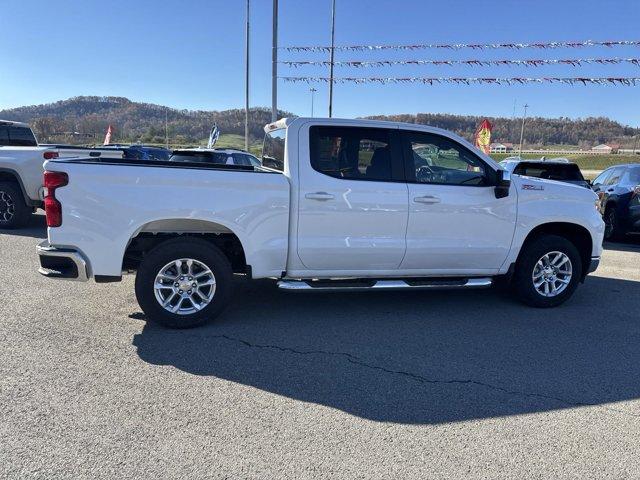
column 629, row 81
column 458, row 46
column 478, row 63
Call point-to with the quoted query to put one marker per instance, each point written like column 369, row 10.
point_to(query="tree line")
column 85, row 120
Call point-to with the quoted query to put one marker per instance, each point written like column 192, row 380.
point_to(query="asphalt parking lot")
column 386, row 385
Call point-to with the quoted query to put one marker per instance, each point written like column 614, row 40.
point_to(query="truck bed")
column 108, row 202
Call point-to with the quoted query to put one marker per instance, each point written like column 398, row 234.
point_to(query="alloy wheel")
column 184, row 286
column 552, row 274
column 7, row 207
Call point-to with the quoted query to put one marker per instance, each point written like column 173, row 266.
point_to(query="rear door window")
column 355, row 153
column 631, row 176
column 615, row 177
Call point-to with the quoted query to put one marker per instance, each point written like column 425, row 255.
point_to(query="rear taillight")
column 50, row 155
column 52, row 207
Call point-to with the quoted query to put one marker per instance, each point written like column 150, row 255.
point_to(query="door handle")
column 426, row 199
column 319, row 196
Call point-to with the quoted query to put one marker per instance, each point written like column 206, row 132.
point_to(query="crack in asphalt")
column 424, row 380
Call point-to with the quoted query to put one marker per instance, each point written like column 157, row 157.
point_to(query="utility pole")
column 513, row 117
column 522, row 129
column 274, row 64
column 166, row 127
column 313, row 91
column 246, row 86
column 331, row 56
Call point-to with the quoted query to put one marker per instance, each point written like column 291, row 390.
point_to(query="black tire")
column 14, row 212
column 613, row 230
column 175, row 249
column 532, row 252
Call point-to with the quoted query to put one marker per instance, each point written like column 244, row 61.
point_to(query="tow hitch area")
column 64, row 263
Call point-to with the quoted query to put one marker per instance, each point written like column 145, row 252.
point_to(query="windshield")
column 273, row 149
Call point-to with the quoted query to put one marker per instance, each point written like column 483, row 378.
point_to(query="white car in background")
column 21, row 159
column 558, row 169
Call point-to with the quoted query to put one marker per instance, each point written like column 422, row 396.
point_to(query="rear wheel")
column 14, row 213
column 183, row 283
column 547, row 272
column 612, row 229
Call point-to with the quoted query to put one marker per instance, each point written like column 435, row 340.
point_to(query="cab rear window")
column 11, row 136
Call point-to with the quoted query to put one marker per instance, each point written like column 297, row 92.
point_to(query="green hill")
column 85, row 120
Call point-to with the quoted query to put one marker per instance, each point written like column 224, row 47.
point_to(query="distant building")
column 501, row 147
column 606, row 148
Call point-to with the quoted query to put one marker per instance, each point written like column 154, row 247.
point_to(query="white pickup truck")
column 357, row 205
column 21, row 160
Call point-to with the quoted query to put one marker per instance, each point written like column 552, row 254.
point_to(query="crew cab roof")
column 16, row 124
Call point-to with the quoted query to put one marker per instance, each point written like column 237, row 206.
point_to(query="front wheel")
column 183, row 283
column 547, row 272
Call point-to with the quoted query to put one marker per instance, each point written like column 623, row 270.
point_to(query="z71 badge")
column 528, row 186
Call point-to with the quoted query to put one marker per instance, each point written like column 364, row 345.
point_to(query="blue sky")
column 190, row 53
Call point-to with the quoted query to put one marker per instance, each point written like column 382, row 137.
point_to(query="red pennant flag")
column 483, row 136
column 107, row 137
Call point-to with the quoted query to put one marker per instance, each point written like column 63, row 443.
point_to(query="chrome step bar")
column 395, row 284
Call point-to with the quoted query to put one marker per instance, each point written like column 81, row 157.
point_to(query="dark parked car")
column 221, row 156
column 560, row 170
column 140, row 152
column 618, row 188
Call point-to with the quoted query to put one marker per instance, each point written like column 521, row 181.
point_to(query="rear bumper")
column 64, row 263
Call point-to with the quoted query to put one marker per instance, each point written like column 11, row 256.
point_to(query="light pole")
column 246, row 85
column 274, row 64
column 313, row 91
column 331, row 56
column 166, row 127
column 522, row 129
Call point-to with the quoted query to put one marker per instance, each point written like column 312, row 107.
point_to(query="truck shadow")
column 420, row 357
column 36, row 228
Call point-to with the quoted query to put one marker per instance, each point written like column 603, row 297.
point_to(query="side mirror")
column 503, row 183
